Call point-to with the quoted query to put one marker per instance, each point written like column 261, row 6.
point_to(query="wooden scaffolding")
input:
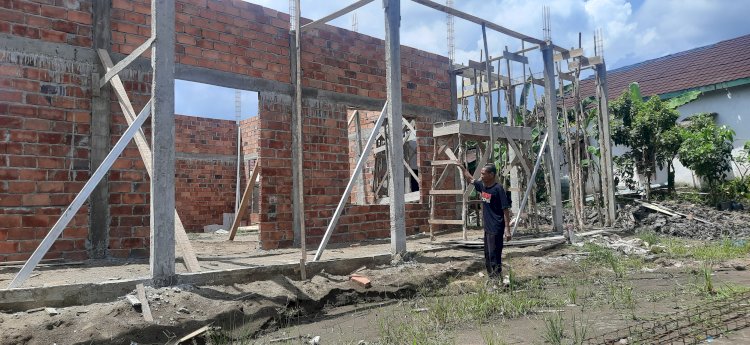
column 451, row 152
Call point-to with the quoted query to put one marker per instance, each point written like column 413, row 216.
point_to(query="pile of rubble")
column 684, row 220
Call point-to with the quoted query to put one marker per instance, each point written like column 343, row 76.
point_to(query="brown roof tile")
column 716, row 63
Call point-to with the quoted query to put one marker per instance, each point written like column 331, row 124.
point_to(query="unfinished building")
column 86, row 176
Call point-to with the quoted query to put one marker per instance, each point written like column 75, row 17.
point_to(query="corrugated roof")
column 712, row 64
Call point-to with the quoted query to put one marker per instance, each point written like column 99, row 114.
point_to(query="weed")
column 605, row 256
column 573, row 294
column 711, row 252
column 580, row 330
column 649, row 236
column 553, row 329
column 708, row 283
column 412, row 330
column 491, row 338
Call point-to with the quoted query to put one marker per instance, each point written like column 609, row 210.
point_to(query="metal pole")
column 360, row 163
column 531, row 183
column 78, row 201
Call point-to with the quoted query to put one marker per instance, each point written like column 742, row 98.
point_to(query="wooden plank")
column 408, row 125
column 146, row 310
column 515, row 57
column 408, row 197
column 480, row 21
column 246, row 197
column 335, row 15
column 191, row 335
column 134, row 301
column 408, row 168
column 144, row 149
column 482, row 162
column 79, row 199
column 481, row 130
column 447, row 192
column 350, row 184
column 126, row 61
column 445, row 162
column 567, row 76
column 446, row 221
column 567, row 55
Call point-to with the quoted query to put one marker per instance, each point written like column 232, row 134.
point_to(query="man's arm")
column 467, row 174
column 506, row 217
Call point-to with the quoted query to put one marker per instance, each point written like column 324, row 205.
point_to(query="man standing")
column 495, row 216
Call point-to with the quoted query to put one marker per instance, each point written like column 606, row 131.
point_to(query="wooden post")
column 491, row 116
column 605, row 144
column 100, row 138
column 162, row 139
column 394, row 108
column 362, row 196
column 298, row 200
column 553, row 154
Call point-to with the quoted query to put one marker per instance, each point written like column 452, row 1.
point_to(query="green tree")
column 640, row 126
column 707, row 150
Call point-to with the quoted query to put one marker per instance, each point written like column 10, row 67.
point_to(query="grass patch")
column 710, row 253
column 428, row 319
column 553, row 329
column 650, row 237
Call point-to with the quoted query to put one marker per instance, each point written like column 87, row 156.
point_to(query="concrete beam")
column 98, row 237
column 163, row 143
column 20, row 299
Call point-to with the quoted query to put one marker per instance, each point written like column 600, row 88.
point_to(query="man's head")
column 488, row 174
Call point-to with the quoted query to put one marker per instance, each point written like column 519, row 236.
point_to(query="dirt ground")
column 437, row 295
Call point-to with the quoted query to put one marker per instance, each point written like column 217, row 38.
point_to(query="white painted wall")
column 733, row 109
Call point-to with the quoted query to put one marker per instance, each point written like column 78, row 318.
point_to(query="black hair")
column 490, row 168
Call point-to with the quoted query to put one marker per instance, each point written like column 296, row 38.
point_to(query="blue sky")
column 633, row 31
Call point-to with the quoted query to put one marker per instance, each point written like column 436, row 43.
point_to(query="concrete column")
column 163, row 143
column 394, row 109
column 605, row 145
column 98, row 238
column 553, row 153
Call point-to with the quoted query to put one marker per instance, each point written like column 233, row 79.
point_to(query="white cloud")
column 632, row 33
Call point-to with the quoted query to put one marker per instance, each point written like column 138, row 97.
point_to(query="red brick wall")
column 45, row 117
column 244, row 38
column 50, row 21
column 326, row 172
column 44, row 153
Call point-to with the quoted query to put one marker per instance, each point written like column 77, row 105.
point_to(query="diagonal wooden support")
column 482, row 161
column 183, row 243
column 246, row 196
column 78, row 201
column 360, row 163
column 114, row 70
column 335, row 15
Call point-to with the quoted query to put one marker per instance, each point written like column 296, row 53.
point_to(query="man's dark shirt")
column 494, row 201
